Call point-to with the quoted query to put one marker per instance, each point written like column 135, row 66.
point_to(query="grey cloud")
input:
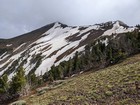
column 21, row 16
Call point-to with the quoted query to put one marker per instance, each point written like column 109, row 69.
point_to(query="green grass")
column 114, row 85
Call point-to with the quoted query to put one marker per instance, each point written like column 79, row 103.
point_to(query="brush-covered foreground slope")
column 115, row 85
column 38, row 50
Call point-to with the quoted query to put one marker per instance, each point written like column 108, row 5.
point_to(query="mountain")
column 38, row 50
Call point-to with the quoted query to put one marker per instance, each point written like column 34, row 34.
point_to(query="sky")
column 22, row 16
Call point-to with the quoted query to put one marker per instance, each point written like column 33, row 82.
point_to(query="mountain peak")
column 59, row 23
column 121, row 23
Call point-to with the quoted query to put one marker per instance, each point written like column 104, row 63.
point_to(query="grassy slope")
column 114, row 85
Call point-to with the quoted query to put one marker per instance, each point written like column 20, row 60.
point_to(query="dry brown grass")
column 114, row 85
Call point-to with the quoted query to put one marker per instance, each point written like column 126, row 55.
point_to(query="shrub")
column 109, row 93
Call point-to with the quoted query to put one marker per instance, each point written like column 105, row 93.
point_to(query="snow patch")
column 8, row 45
column 105, row 41
column 19, row 47
column 3, row 56
column 118, row 29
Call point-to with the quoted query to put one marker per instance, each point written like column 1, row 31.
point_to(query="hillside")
column 115, row 85
column 53, row 53
column 50, row 45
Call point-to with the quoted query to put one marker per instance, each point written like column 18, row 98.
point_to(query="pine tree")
column 98, row 52
column 50, row 76
column 60, row 72
column 4, row 83
column 69, row 67
column 75, row 62
column 81, row 63
column 33, row 81
column 18, row 81
column 110, row 56
column 87, row 56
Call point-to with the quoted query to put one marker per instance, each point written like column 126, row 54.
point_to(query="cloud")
column 21, row 16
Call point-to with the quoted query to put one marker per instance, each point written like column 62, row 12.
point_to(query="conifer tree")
column 50, row 76
column 69, row 67
column 75, row 62
column 60, row 72
column 18, row 81
column 87, row 56
column 33, row 81
column 4, row 83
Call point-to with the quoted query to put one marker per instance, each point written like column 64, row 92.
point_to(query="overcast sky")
column 21, row 16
